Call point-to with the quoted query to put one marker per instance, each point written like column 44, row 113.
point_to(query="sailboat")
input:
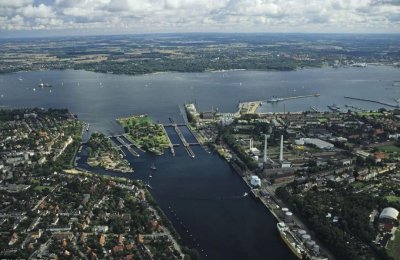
column 153, row 167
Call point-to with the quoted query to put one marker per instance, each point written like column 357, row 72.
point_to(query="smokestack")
column 281, row 152
column 265, row 148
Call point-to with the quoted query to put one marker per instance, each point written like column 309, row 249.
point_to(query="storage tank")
column 310, row 244
column 305, row 238
column 316, row 249
column 301, row 232
column 288, row 216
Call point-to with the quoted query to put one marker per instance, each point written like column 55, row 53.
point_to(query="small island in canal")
column 102, row 153
column 145, row 134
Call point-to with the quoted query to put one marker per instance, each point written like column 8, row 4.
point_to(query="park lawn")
column 358, row 185
column 390, row 149
column 392, row 198
column 393, row 247
column 149, row 136
column 41, row 188
column 369, row 114
column 135, row 120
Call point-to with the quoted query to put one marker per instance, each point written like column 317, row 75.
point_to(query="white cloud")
column 203, row 15
column 37, row 11
column 14, row 3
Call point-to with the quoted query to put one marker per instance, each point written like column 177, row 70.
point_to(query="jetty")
column 127, row 146
column 315, row 109
column 373, row 101
column 278, row 99
column 171, row 145
column 183, row 140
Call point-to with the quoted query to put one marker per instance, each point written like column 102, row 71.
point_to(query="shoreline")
column 204, row 71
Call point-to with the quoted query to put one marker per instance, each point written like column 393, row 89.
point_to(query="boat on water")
column 87, row 127
column 296, row 248
column 245, row 194
column 44, row 85
column 334, row 107
column 153, row 167
column 273, row 100
column 148, row 186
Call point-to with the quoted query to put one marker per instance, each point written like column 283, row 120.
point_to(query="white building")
column 321, row 144
column 255, row 181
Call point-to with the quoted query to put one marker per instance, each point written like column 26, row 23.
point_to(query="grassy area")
column 358, row 185
column 394, row 246
column 41, row 188
column 392, row 198
column 369, row 114
column 145, row 134
column 141, row 120
column 390, row 149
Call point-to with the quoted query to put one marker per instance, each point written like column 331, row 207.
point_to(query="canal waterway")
column 203, row 196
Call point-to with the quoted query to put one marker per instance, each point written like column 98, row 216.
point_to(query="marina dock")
column 373, row 101
column 275, row 100
column 315, row 109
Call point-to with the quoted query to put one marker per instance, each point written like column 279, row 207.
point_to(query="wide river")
column 201, row 196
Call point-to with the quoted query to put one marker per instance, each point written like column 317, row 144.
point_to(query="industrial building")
column 389, row 218
column 255, row 181
column 320, row 144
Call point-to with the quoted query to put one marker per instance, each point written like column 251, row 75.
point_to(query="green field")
column 394, row 246
column 41, row 188
column 145, row 134
column 369, row 114
column 135, row 121
column 390, row 149
column 392, row 198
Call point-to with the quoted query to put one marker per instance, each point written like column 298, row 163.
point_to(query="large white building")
column 390, row 214
column 321, row 144
column 255, row 181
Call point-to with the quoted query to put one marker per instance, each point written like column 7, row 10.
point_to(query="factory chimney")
column 281, row 151
column 265, row 148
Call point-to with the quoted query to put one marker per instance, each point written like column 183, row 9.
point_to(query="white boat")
column 153, row 167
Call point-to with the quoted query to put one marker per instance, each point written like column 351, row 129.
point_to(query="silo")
column 310, row 244
column 305, row 238
column 316, row 249
column 288, row 216
column 301, row 232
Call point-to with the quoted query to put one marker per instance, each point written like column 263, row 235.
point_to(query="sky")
column 91, row 17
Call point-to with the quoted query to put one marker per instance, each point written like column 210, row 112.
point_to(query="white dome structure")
column 389, row 213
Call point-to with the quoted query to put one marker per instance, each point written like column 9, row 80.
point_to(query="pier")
column 183, row 140
column 313, row 108
column 184, row 115
column 373, row 101
column 173, row 125
column 275, row 100
column 118, row 147
column 127, row 146
column 171, row 145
